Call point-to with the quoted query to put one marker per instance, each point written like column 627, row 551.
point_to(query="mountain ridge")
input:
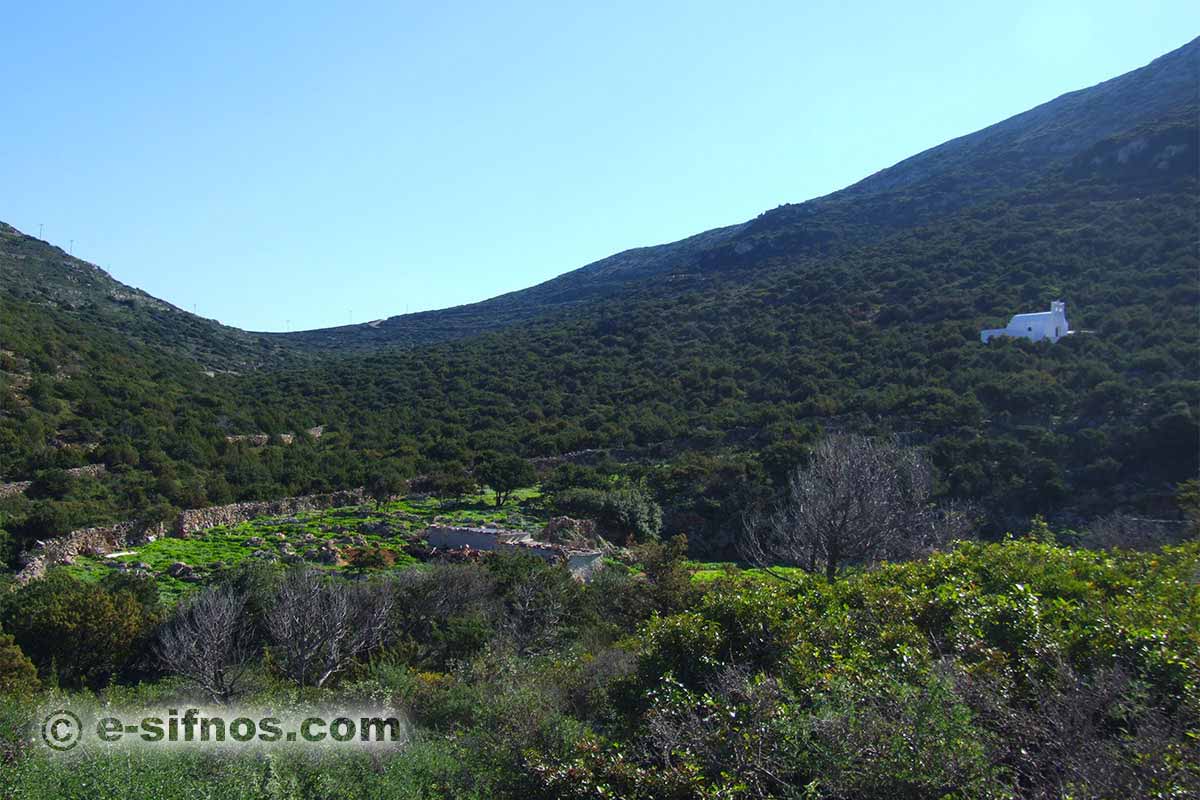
column 968, row 170
column 1019, row 149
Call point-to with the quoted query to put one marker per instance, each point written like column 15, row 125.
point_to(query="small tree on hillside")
column 18, row 676
column 857, row 502
column 451, row 481
column 505, row 473
column 386, row 485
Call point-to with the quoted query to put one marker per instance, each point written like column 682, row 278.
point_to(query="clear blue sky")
column 325, row 159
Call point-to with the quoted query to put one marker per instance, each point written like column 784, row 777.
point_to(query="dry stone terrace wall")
column 10, row 489
column 85, row 541
column 99, row 541
column 263, row 439
column 90, row 471
column 19, row 487
column 199, row 519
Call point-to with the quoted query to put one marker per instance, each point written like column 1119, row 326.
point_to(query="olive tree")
column 504, row 474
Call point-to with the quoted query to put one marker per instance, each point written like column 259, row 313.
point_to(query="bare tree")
column 857, row 501
column 319, row 626
column 208, row 641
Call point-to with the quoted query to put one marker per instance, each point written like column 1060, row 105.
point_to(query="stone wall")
column 19, row 487
column 263, row 439
column 447, row 537
column 86, row 541
column 198, row 519
column 584, row 563
column 581, row 562
column 102, row 540
column 10, row 489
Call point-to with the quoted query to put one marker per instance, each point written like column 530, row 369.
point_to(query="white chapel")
column 1037, row 326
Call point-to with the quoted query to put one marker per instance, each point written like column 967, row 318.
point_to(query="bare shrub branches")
column 857, row 502
column 318, row 627
column 208, row 641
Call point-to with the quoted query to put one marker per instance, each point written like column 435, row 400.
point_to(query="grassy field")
column 706, row 571
column 388, row 528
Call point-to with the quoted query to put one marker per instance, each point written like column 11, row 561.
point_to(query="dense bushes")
column 991, row 671
column 1016, row 669
column 81, row 634
column 625, row 513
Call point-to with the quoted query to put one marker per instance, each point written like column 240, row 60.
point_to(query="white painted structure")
column 580, row 563
column 1040, row 325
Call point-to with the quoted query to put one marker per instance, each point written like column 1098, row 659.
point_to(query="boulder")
column 179, row 569
column 577, row 533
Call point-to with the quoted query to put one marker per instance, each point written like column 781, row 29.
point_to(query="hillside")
column 969, row 171
column 36, row 272
column 705, row 368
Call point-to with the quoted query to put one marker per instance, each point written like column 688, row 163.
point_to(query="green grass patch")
column 226, row 546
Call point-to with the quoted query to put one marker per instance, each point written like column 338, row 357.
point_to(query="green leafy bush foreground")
column 1013, row 669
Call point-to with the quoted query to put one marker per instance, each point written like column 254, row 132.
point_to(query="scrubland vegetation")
column 1021, row 668
column 853, row 552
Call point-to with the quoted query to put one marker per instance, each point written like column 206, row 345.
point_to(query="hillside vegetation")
column 745, row 366
column 1016, row 669
column 944, row 635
